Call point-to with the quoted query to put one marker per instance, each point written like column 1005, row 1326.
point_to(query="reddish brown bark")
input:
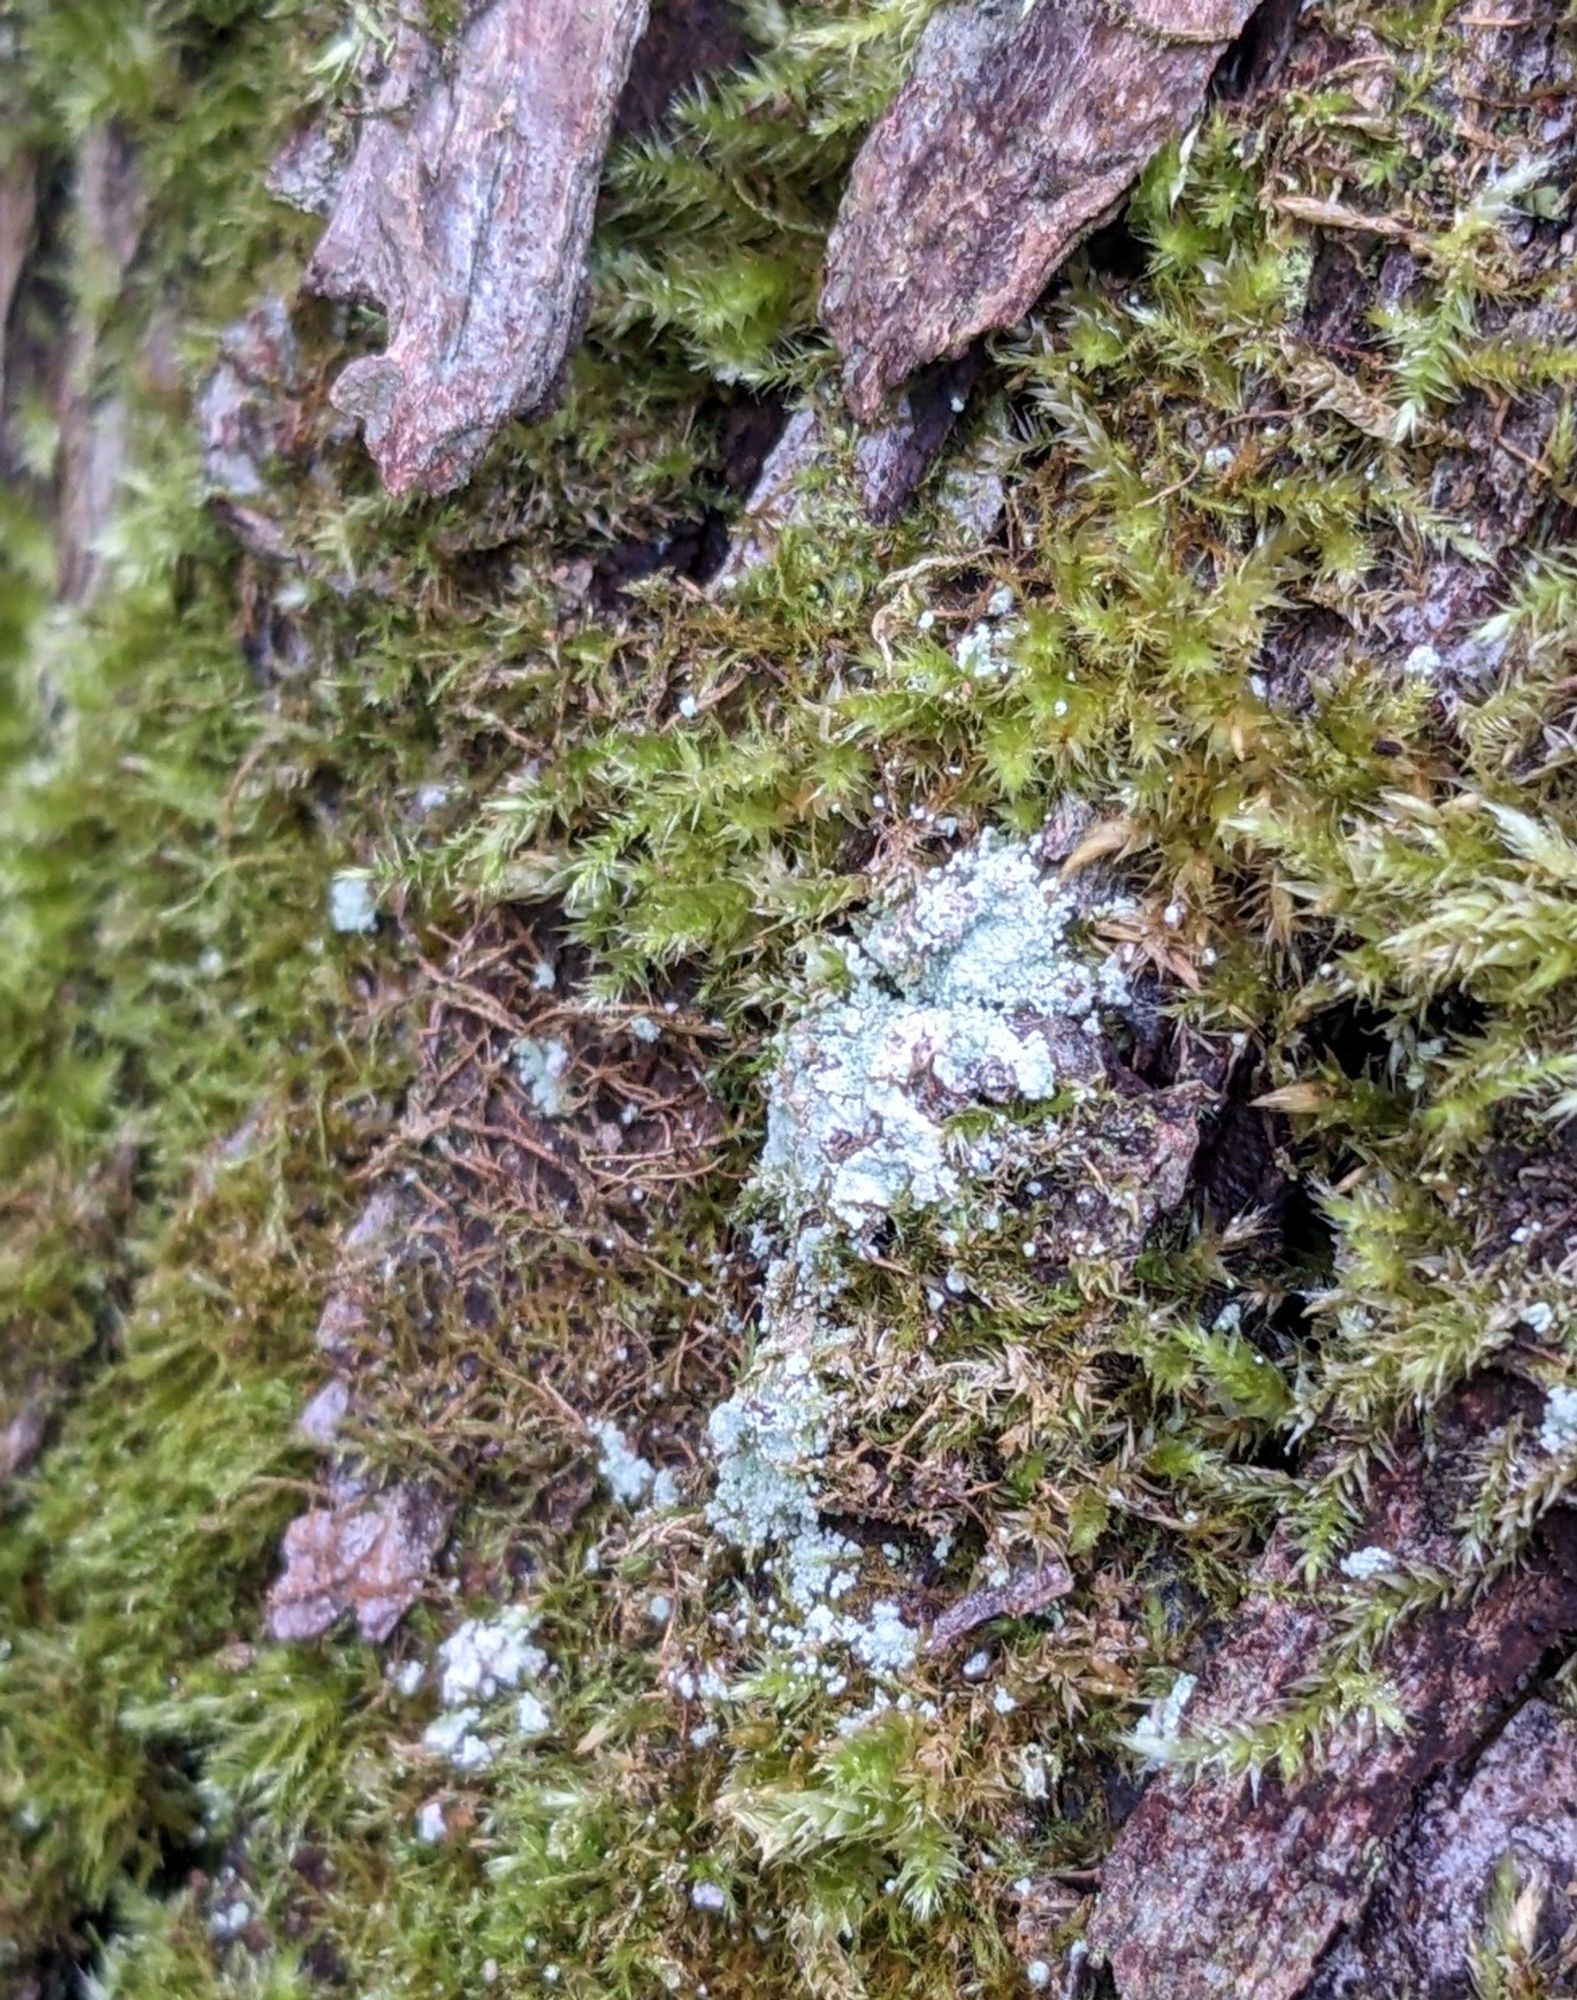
column 1017, row 133
column 1219, row 1887
column 18, row 212
column 1516, row 1809
column 363, row 1558
column 684, row 40
column 466, row 212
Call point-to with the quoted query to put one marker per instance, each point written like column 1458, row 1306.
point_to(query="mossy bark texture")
column 788, row 988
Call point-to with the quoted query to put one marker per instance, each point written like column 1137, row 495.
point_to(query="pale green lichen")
column 541, row 1067
column 971, row 996
column 1558, row 1430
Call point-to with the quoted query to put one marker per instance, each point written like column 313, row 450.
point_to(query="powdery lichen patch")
column 628, row 1476
column 483, row 1655
column 1558, row 1430
column 970, row 997
column 767, row 1438
column 353, row 910
column 959, row 1067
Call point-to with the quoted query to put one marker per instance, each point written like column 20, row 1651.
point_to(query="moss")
column 1353, row 875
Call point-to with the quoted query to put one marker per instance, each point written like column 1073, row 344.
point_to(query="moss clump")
column 1268, row 624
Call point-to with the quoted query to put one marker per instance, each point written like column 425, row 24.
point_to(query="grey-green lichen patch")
column 767, row 1439
column 975, row 994
column 541, row 1066
column 913, row 1086
column 770, row 1432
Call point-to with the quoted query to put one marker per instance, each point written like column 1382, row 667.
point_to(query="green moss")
column 1370, row 887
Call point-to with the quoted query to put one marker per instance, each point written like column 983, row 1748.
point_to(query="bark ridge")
column 466, row 213
column 1015, row 135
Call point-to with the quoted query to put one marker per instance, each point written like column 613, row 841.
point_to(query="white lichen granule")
column 531, row 1716
column 231, row 1920
column 709, row 1896
column 351, row 904
column 1558, row 1432
column 453, row 1737
column 627, row 1476
column 485, row 1655
column 1160, row 1729
column 1362, row 1565
column 983, row 652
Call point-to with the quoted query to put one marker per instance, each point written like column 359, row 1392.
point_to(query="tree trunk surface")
column 788, row 987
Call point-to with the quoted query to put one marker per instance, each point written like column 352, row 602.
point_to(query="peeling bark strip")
column 889, row 463
column 470, row 226
column 1215, row 1888
column 109, row 208
column 1014, row 137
